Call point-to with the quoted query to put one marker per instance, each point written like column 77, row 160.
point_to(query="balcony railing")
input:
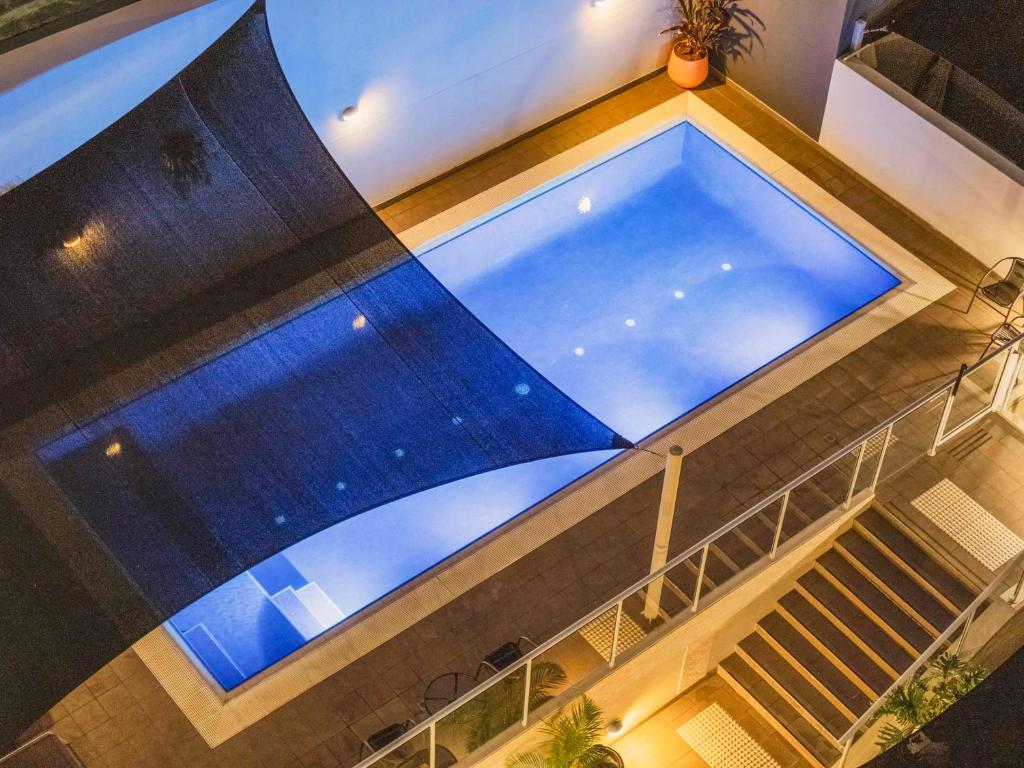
column 512, row 699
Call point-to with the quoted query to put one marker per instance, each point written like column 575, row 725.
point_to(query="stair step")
column 803, row 695
column 902, row 628
column 817, row 664
column 900, row 544
column 738, row 552
column 804, row 737
column 897, row 584
column 672, row 603
column 855, row 620
column 837, row 642
column 761, row 529
column 684, row 577
column 717, row 569
column 817, row 497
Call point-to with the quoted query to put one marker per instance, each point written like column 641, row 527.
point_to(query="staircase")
column 852, row 623
column 744, row 546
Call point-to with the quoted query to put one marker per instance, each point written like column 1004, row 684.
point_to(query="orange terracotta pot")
column 686, row 73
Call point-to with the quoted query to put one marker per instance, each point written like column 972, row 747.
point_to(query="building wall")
column 786, row 61
column 906, row 154
column 438, row 83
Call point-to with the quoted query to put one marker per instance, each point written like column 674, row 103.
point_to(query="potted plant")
column 702, row 26
column 924, row 697
column 573, row 742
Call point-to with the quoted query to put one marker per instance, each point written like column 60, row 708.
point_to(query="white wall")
column 965, row 197
column 60, row 91
column 438, row 82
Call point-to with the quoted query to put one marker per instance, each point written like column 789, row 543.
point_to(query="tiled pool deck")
column 122, row 717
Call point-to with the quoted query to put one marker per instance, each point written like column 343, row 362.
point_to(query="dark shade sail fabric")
column 209, row 198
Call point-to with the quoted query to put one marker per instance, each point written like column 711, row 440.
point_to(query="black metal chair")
column 446, row 688
column 504, row 656
column 1004, row 334
column 380, row 739
column 1003, row 294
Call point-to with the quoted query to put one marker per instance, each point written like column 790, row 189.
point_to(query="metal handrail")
column 526, row 661
column 935, row 647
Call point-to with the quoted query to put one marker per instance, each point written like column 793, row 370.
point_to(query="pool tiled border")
column 218, row 717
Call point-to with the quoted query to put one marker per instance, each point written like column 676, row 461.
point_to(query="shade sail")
column 210, row 197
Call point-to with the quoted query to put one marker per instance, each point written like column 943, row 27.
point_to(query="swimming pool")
column 643, row 285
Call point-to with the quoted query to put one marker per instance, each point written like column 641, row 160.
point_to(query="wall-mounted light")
column 615, row 727
column 348, row 114
column 112, row 450
column 584, row 205
column 72, row 240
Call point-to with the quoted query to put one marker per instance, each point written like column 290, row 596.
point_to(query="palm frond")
column 527, row 760
column 889, row 735
column 573, row 740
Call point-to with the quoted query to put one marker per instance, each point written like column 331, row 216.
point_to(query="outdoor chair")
column 504, row 656
column 1005, row 333
column 1001, row 295
column 383, row 737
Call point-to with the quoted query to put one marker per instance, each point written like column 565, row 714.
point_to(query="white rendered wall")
column 437, row 82
column 965, row 197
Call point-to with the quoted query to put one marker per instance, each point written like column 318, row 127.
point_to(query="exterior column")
column 663, row 533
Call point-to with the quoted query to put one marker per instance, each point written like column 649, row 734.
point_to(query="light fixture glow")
column 112, row 450
column 614, row 727
column 584, row 205
column 72, row 241
column 679, row 294
column 359, row 322
column 340, row 486
column 726, row 266
column 522, row 388
column 631, row 322
column 579, row 351
column 399, row 453
column 348, row 114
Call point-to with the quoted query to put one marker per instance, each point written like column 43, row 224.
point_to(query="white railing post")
column 700, row 577
column 856, row 474
column 614, row 653
column 963, row 635
column 433, row 744
column 881, row 457
column 1007, row 378
column 946, row 409
column 663, row 532
column 526, row 692
column 1017, row 590
column 778, row 526
column 846, row 753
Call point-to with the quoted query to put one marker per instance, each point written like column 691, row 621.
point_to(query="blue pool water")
column 642, row 286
